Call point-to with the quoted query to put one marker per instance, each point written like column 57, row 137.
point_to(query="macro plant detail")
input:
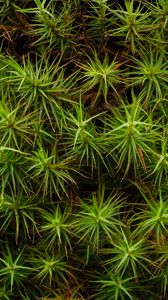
column 15, row 127
column 98, row 220
column 83, row 150
column 104, row 75
column 115, row 287
column 53, row 23
column 12, row 171
column 40, row 86
column 48, row 268
column 18, row 210
column 158, row 168
column 52, row 172
column 82, row 140
column 131, row 23
column 159, row 12
column 127, row 254
column 98, row 21
column 130, row 134
column 57, row 228
column 13, row 269
column 151, row 73
column 153, row 218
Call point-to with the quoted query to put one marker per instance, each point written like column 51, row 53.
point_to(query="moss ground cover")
column 83, row 150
